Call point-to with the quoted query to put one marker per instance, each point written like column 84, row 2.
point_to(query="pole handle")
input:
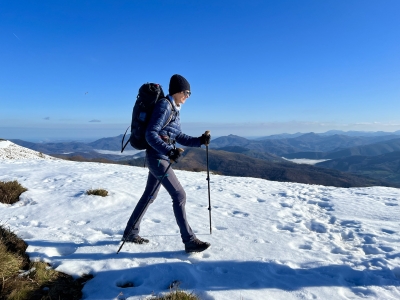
column 207, row 133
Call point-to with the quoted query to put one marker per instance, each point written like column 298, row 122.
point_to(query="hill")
column 384, row 167
column 373, row 149
column 9, row 150
column 310, row 142
column 236, row 164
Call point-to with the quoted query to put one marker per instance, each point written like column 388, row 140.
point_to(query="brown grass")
column 97, row 192
column 10, row 191
column 177, row 295
column 38, row 280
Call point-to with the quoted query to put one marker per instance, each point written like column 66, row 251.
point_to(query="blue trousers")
column 157, row 168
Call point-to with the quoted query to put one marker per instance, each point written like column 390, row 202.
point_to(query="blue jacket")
column 155, row 131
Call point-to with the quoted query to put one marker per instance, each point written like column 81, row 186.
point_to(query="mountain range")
column 373, row 155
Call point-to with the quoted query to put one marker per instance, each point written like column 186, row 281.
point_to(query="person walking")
column 162, row 132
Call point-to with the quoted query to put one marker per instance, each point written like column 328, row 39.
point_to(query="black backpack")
column 149, row 94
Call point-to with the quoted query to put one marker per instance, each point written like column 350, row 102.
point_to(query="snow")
column 270, row 240
column 9, row 150
column 125, row 153
column 305, row 160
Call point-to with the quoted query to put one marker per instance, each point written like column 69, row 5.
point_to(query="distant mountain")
column 280, row 136
column 236, row 164
column 253, row 153
column 384, row 167
column 374, row 149
column 360, row 133
column 331, row 132
column 51, row 148
column 230, row 140
column 111, row 143
column 310, row 142
column 368, row 150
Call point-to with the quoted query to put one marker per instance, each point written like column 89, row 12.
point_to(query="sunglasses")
column 187, row 93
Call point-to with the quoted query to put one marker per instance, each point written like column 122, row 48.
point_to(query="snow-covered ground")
column 270, row 240
column 9, row 150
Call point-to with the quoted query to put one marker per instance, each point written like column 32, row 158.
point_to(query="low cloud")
column 94, row 121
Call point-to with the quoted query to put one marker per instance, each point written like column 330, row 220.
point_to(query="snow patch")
column 305, row 160
column 9, row 150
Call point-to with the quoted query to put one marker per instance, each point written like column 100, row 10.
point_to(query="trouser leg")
column 171, row 183
column 142, row 205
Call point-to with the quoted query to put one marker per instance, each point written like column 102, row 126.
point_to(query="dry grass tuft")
column 10, row 191
column 97, row 192
column 38, row 280
column 14, row 245
column 177, row 295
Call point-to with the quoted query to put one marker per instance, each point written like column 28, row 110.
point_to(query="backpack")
column 149, row 94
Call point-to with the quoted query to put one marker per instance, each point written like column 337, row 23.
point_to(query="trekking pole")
column 208, row 179
column 148, row 200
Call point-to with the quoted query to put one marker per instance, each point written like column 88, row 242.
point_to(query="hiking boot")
column 196, row 246
column 135, row 239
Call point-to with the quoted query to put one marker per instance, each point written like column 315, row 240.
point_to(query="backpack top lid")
column 149, row 93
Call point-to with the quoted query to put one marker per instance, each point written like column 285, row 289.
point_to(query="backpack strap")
column 122, row 142
column 171, row 115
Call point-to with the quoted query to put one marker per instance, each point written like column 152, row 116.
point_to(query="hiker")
column 160, row 153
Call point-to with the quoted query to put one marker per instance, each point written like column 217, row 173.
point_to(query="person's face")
column 180, row 98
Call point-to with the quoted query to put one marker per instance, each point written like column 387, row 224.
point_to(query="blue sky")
column 71, row 69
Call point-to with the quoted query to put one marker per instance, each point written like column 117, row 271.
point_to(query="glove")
column 205, row 139
column 174, row 154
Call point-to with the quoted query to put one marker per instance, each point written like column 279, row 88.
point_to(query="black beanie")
column 178, row 84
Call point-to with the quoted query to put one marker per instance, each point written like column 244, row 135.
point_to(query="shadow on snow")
column 196, row 273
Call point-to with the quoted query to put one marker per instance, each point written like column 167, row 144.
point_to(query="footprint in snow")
column 238, row 213
column 285, row 228
column 316, row 227
column 369, row 249
column 347, row 235
column 67, row 250
column 220, row 228
column 325, row 205
column 305, row 247
column 339, row 250
column 388, row 231
column 260, row 241
column 350, row 223
column 386, row 249
column 369, row 239
column 391, row 204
